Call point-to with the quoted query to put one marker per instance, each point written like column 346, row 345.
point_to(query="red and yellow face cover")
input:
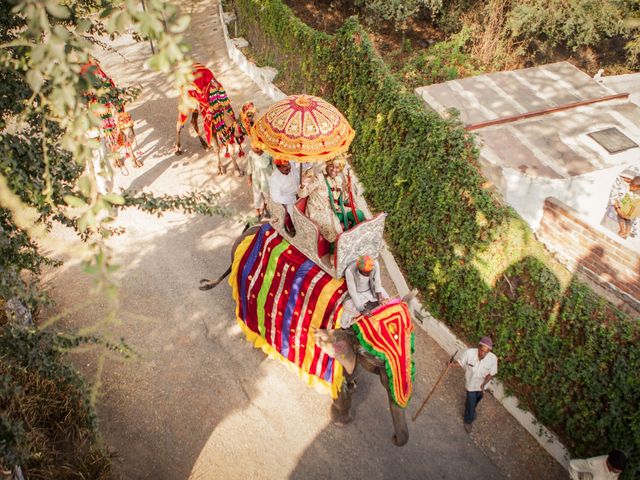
column 388, row 334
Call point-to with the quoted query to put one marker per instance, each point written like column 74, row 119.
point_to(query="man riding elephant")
column 365, row 289
column 283, row 186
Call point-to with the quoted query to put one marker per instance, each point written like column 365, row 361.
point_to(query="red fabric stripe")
column 327, row 320
column 268, row 305
column 322, row 283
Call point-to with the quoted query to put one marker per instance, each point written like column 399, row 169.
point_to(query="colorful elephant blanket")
column 282, row 297
column 388, row 334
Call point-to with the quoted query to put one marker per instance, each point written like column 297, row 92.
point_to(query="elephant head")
column 343, row 345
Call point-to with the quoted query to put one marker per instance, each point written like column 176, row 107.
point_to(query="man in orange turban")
column 365, row 289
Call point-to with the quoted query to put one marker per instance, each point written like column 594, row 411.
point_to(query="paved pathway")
column 198, row 401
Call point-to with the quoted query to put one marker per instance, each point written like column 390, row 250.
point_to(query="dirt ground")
column 197, row 401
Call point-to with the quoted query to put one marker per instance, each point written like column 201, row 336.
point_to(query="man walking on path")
column 480, row 365
column 604, row 467
column 259, row 170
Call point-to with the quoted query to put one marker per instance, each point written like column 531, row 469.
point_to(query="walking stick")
column 434, row 387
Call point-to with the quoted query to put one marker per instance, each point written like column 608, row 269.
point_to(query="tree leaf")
column 35, row 80
column 75, row 202
column 180, row 24
column 113, row 198
column 57, row 10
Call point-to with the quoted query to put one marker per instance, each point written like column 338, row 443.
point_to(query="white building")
column 554, row 140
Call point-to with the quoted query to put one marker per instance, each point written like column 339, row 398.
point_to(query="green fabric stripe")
column 267, row 282
column 381, row 356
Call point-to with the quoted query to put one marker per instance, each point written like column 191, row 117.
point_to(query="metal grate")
column 613, row 140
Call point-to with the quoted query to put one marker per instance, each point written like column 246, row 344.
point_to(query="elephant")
column 343, row 345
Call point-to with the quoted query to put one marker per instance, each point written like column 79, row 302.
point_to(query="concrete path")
column 198, row 401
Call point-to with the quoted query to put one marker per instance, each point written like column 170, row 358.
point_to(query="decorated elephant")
column 291, row 308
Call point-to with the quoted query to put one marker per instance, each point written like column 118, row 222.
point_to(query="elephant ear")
column 338, row 344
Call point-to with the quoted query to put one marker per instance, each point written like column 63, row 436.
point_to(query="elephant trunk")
column 401, row 431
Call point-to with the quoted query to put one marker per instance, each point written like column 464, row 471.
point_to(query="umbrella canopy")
column 303, row 128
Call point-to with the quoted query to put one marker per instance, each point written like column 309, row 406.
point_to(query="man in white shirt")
column 480, row 365
column 604, row 467
column 364, row 286
column 283, row 188
column 284, row 183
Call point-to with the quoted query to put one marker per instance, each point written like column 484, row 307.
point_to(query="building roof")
column 538, row 120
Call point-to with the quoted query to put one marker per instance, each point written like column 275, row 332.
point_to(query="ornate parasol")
column 303, row 128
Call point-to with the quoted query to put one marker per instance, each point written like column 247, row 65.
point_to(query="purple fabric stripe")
column 291, row 304
column 328, row 374
column 248, row 266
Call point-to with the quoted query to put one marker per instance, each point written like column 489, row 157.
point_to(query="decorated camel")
column 221, row 129
column 116, row 123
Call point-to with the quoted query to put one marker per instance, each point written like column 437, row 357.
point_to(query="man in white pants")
column 258, row 173
column 283, row 187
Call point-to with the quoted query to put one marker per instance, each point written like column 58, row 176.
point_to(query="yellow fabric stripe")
column 316, row 320
column 233, row 277
column 320, row 385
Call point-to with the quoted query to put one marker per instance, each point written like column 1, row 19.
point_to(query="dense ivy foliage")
column 566, row 353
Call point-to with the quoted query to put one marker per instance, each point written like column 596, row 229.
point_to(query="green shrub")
column 566, row 353
column 443, row 61
column 47, row 424
column 398, row 12
column 574, row 23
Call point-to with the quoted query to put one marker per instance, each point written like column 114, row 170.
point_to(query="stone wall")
column 591, row 250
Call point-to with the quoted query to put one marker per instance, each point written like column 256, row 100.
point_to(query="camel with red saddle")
column 221, row 130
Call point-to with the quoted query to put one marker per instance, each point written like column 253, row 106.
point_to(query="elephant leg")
column 401, row 432
column 341, row 406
